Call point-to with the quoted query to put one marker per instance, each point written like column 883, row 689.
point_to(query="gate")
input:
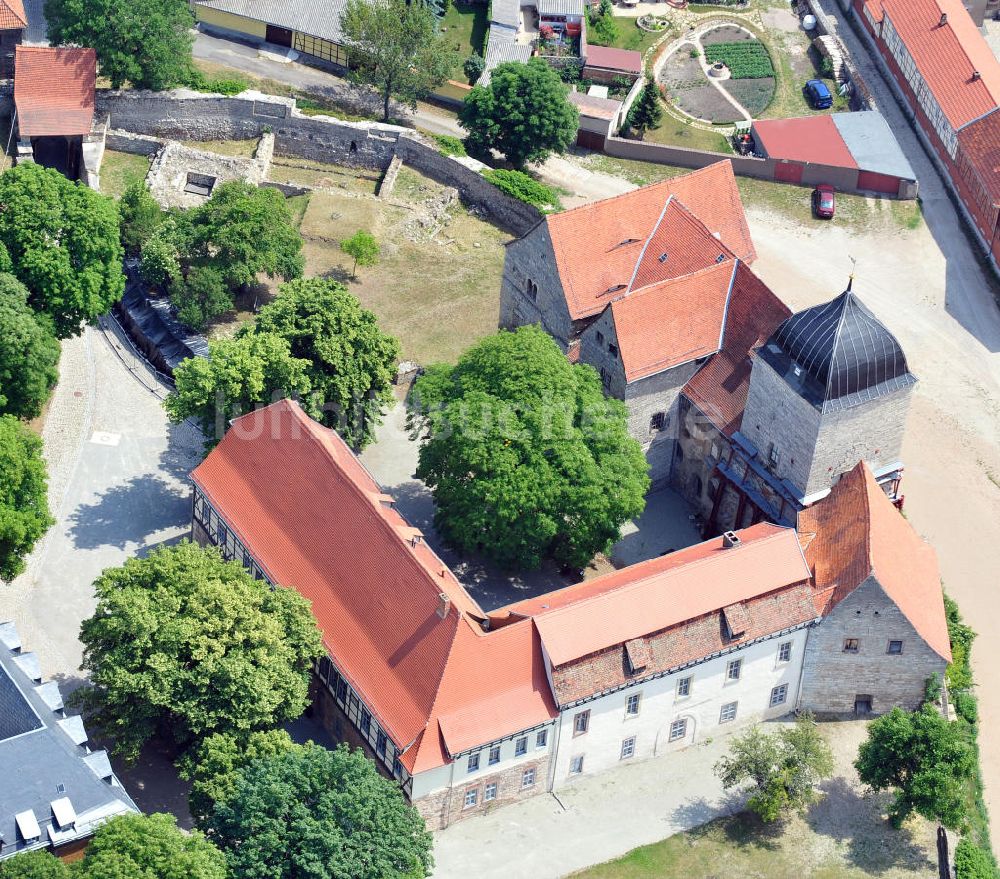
column 788, row 172
column 878, row 182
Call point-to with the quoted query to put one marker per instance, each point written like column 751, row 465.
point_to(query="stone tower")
column 830, row 388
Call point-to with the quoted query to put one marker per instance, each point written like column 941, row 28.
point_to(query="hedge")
column 520, row 186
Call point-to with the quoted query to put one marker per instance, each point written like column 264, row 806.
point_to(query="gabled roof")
column 316, row 19
column 625, row 60
column 54, row 90
column 719, row 389
column 593, row 106
column 12, row 17
column 947, row 55
column 804, row 139
column 855, row 532
column 597, row 246
column 674, row 321
column 657, row 594
column 980, row 142
column 316, row 521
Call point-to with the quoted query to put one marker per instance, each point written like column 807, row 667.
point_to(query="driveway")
column 117, row 487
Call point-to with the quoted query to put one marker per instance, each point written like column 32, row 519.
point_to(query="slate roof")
column 316, row 19
column 838, row 354
column 315, row 520
column 44, row 760
column 855, row 532
column 54, row 90
column 12, row 16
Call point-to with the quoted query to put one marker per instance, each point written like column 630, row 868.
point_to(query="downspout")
column 555, row 752
column 802, row 665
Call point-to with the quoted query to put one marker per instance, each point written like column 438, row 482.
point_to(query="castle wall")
column 530, row 259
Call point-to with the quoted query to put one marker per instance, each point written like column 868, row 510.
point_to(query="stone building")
column 13, row 23
column 471, row 708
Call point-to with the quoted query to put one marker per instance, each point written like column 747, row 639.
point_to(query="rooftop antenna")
column 850, row 277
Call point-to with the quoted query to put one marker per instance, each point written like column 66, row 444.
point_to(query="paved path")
column 117, row 487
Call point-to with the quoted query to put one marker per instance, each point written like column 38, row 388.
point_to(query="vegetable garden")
column 747, row 59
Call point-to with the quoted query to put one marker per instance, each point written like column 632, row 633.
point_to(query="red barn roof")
column 805, row 139
column 625, row 60
column 980, row 142
column 54, row 90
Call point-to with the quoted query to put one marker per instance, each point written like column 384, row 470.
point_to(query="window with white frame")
column 628, row 747
column 678, row 729
column 542, row 738
column 576, row 765
column 494, row 755
column 528, row 777
column 728, row 712
column 474, row 762
column 779, row 694
column 490, row 792
column 733, row 668
column 684, row 687
column 521, row 746
column 471, row 797
column 785, row 651
column 581, row 722
column 632, row 704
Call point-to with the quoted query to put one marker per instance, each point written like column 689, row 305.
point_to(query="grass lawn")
column 741, row 848
column 631, row 36
column 288, row 169
column 464, row 28
column 243, row 149
column 118, row 168
column 678, row 133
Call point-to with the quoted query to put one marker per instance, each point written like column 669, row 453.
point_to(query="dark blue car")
column 818, row 94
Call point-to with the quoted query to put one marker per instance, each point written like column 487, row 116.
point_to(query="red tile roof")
column 626, row 60
column 593, row 106
column 655, row 595
column 805, row 139
column 598, row 245
column 947, row 55
column 981, row 145
column 316, row 521
column 54, row 90
column 672, row 322
column 12, row 17
column 719, row 388
column 856, row 532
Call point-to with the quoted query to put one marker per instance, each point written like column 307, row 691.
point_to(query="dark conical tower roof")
column 838, row 354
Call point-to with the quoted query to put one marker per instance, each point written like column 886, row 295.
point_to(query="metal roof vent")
column 730, row 539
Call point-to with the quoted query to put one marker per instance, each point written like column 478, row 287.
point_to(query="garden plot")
column 752, row 78
column 689, row 89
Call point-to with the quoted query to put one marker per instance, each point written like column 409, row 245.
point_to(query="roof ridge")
column 680, row 279
column 649, row 238
column 694, row 563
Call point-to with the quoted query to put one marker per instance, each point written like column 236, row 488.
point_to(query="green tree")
column 185, row 644
column 239, row 375
column 351, row 361
column 34, row 865
column 63, row 239
column 160, row 265
column 924, row 759
column 201, row 297
column 363, row 247
column 646, row 112
column 150, row 847
column 345, row 818
column 246, row 231
column 218, row 762
column 29, row 352
column 971, row 861
column 144, row 42
column 24, row 508
column 525, row 455
column 782, row 768
column 395, row 48
column 139, row 215
column 603, row 27
column 523, row 113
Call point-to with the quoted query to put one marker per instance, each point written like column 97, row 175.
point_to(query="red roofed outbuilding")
column 13, row 23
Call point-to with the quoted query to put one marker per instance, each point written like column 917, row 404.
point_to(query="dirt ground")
column 952, row 445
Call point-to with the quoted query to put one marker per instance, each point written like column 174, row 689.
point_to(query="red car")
column 824, row 202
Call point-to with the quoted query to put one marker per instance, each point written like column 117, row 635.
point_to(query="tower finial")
column 850, row 277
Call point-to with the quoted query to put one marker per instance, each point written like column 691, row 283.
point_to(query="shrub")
column 449, row 145
column 932, row 688
column 519, row 185
column 973, row 861
column 966, row 706
column 160, row 267
column 474, row 66
column 603, row 30
column 747, row 59
column 202, row 297
column 216, row 85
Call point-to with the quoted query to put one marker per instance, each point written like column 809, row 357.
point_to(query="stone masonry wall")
column 531, row 258
column 703, row 446
column 831, row 678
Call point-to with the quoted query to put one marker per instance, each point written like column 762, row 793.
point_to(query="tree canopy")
column 144, row 42
column 646, row 112
column 344, row 817
column 351, row 362
column 247, row 231
column 781, row 768
column 523, row 113
column 24, row 508
column 525, row 455
column 63, row 239
column 40, row 864
column 185, row 644
column 255, row 368
column 396, row 49
column 924, row 759
column 363, row 247
column 216, row 765
column 139, row 215
column 29, row 352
